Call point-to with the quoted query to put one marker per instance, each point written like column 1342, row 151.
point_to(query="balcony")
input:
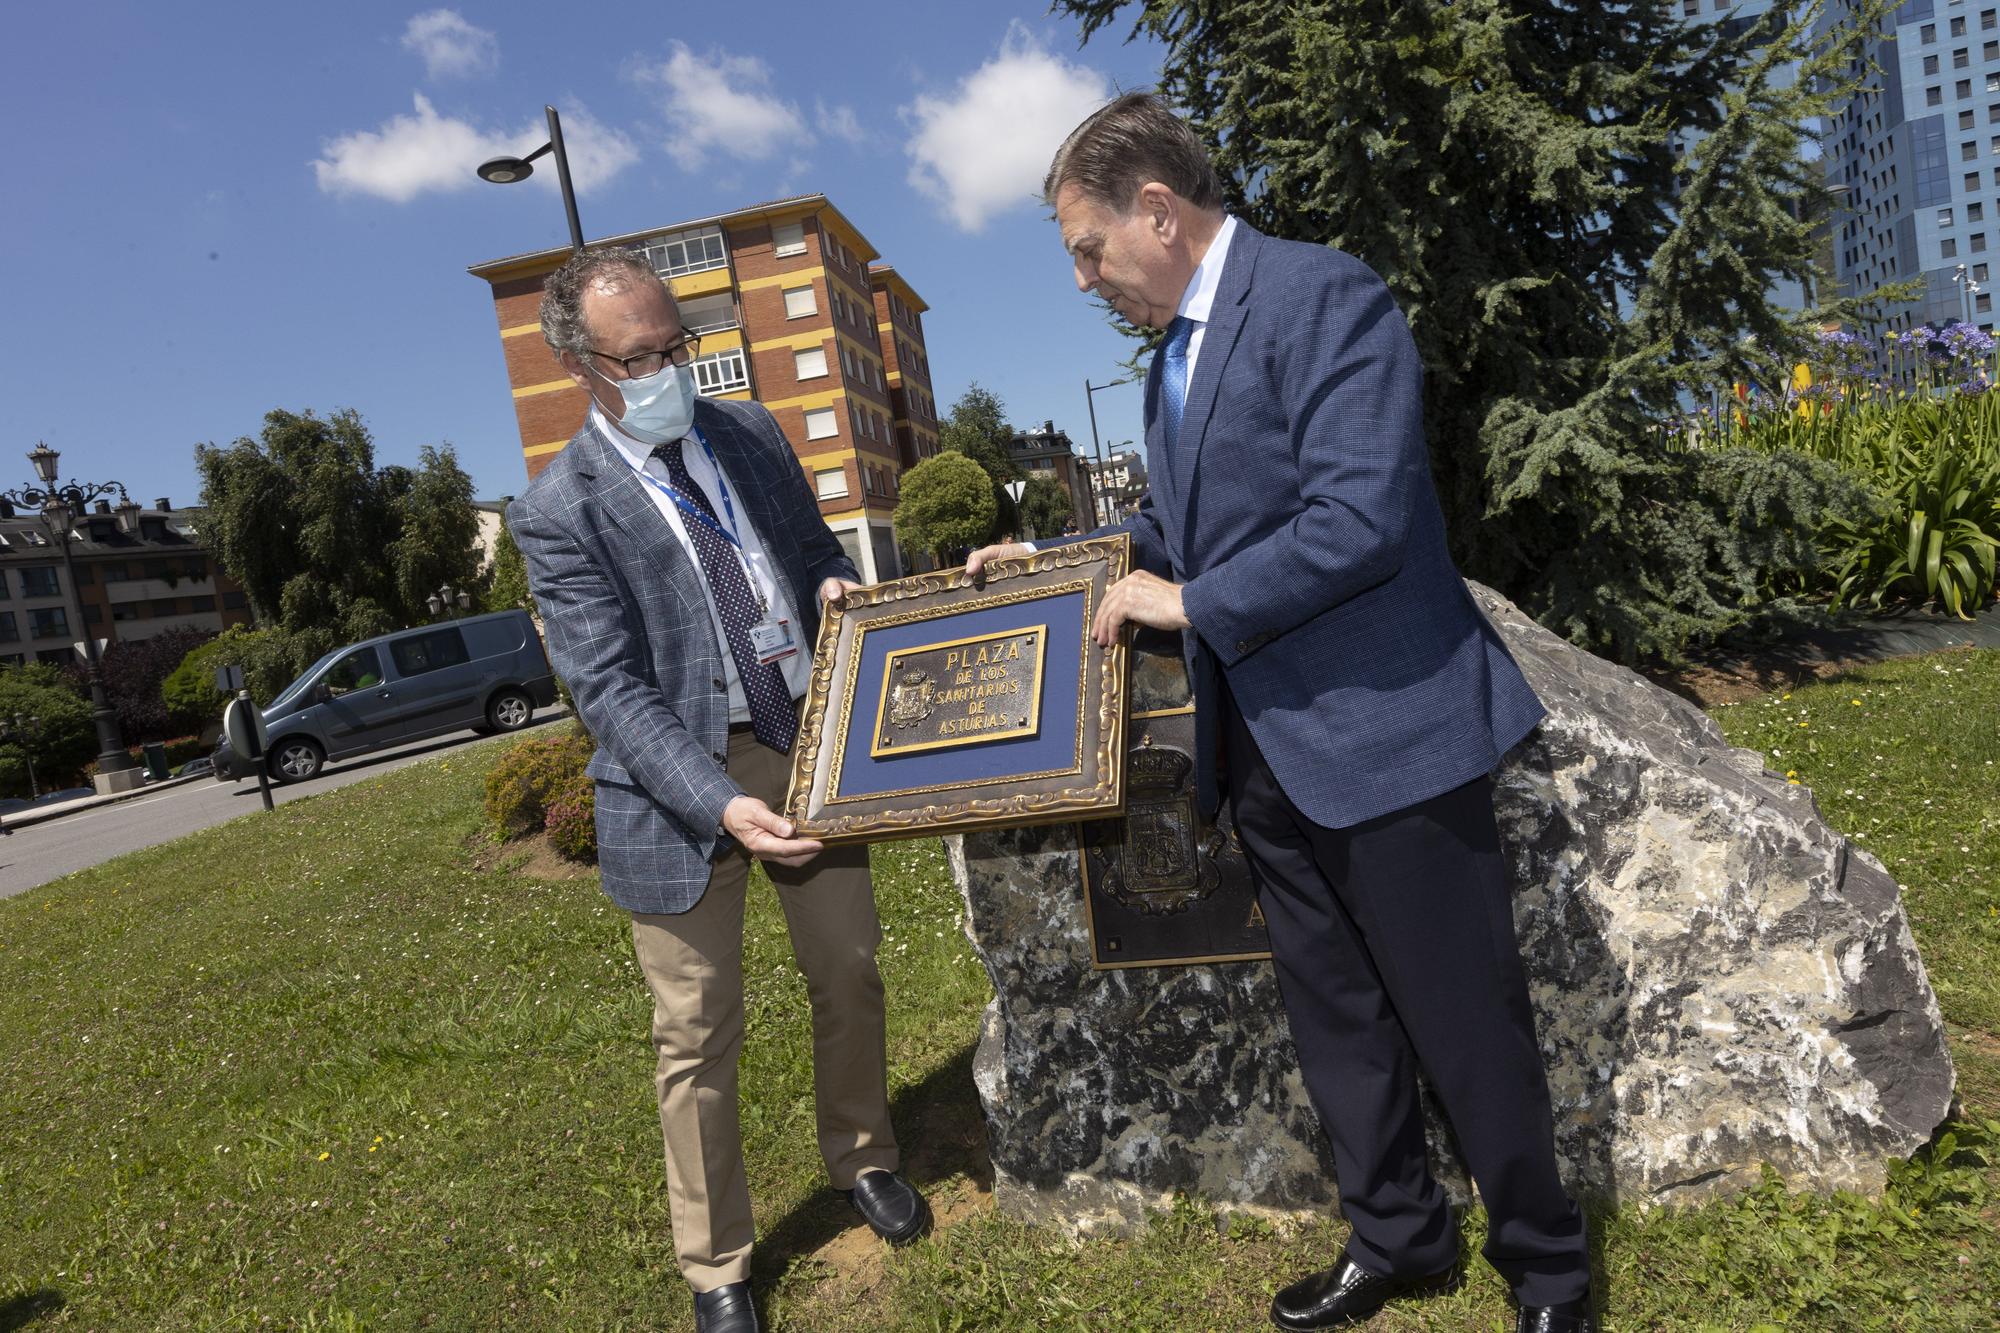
column 120, row 591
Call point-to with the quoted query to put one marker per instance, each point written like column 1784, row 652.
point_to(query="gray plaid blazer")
column 630, row 635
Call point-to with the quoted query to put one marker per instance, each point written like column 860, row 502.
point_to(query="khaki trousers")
column 693, row 962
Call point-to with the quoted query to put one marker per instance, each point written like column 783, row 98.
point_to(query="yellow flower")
column 323, row 1156
column 1855, row 702
column 1803, row 723
column 1792, row 782
column 1791, row 772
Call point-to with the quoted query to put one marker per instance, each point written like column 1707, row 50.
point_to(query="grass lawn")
column 331, row 1068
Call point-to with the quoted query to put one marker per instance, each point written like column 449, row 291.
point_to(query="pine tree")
column 1519, row 172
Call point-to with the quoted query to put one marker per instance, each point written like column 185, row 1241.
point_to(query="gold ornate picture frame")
column 938, row 705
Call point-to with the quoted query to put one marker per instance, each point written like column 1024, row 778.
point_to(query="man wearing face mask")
column 679, row 560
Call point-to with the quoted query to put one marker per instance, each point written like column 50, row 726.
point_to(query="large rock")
column 1720, row 980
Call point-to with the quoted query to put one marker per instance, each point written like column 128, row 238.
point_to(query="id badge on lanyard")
column 771, row 637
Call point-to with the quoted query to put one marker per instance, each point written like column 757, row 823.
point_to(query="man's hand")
column 832, row 590
column 1141, row 599
column 764, row 834
column 977, row 561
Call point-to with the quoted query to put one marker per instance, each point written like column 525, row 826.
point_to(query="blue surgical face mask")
column 659, row 409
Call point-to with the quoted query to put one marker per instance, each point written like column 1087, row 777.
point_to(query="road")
column 41, row 852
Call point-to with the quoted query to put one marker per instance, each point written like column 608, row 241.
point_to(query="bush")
column 572, row 819
column 63, row 743
column 271, row 659
column 530, row 776
column 133, row 672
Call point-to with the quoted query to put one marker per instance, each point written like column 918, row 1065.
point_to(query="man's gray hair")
column 1134, row 139
column 610, row 267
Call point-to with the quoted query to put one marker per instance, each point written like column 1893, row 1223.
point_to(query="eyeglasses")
column 651, row 363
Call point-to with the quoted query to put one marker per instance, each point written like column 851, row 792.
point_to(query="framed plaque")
column 939, row 705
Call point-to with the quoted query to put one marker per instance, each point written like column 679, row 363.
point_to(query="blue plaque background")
column 1052, row 749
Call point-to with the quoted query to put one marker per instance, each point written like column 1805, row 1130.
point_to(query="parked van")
column 488, row 673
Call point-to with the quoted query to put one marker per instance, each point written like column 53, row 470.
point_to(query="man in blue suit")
column 680, row 560
column 1353, row 699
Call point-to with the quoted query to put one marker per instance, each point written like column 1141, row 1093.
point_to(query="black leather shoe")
column 891, row 1206
column 1347, row 1293
column 1569, row 1317
column 725, row 1310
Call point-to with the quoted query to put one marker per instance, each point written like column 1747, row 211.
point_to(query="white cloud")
column 451, row 47
column 985, row 149
column 719, row 102
column 839, row 121
column 415, row 154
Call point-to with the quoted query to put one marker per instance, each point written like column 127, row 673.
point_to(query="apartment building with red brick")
column 789, row 314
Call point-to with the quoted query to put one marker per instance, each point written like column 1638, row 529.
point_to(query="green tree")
column 946, row 506
column 1516, row 172
column 327, row 546
column 1046, row 508
column 271, row 658
column 507, row 578
column 61, row 738
column 977, row 427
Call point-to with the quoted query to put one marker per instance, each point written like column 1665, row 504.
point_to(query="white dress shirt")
column 765, row 576
column 1199, row 298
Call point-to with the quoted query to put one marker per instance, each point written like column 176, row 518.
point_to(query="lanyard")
column 694, row 511
column 690, row 510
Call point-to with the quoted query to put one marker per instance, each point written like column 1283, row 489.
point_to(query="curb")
column 24, row 818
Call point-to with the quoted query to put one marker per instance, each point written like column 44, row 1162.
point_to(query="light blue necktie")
column 1174, row 376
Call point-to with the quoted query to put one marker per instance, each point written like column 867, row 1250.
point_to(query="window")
column 1983, row 303
column 721, row 372
column 1930, row 64
column 1958, row 26
column 788, row 239
column 204, row 603
column 831, row 483
column 39, row 581
column 1968, row 150
column 1962, row 89
column 1928, row 32
column 1933, row 97
column 114, row 571
column 9, row 631
column 156, row 569
column 166, row 606
column 125, row 610
column 48, row 622
column 359, row 670
column 1978, row 242
column 821, row 425
column 432, row 650
column 1948, row 248
column 195, row 567
column 55, row 656
column 800, row 302
column 1965, row 120
column 708, row 314
column 1961, row 58
column 809, row 363
column 1975, row 212
column 1979, row 272
column 685, row 251
column 235, row 600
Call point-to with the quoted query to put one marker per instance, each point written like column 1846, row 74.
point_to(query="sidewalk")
column 57, row 809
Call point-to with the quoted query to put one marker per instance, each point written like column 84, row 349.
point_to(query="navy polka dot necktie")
column 773, row 717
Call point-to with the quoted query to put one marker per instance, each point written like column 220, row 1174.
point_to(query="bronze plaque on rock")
column 1164, row 887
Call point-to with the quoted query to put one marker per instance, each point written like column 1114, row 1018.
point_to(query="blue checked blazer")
column 1298, row 510
column 629, row 633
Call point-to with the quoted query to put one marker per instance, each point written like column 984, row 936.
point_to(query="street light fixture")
column 1967, row 289
column 507, row 170
column 60, row 507
column 447, row 597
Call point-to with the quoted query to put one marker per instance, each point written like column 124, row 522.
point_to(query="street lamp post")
column 1090, row 392
column 26, row 731
column 60, row 507
column 507, row 170
column 1967, row 289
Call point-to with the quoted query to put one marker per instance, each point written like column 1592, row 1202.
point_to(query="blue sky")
column 216, row 209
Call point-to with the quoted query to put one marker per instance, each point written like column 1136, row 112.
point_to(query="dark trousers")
column 1394, row 945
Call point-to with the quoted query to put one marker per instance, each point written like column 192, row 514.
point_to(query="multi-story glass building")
column 1914, row 164
column 792, row 312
